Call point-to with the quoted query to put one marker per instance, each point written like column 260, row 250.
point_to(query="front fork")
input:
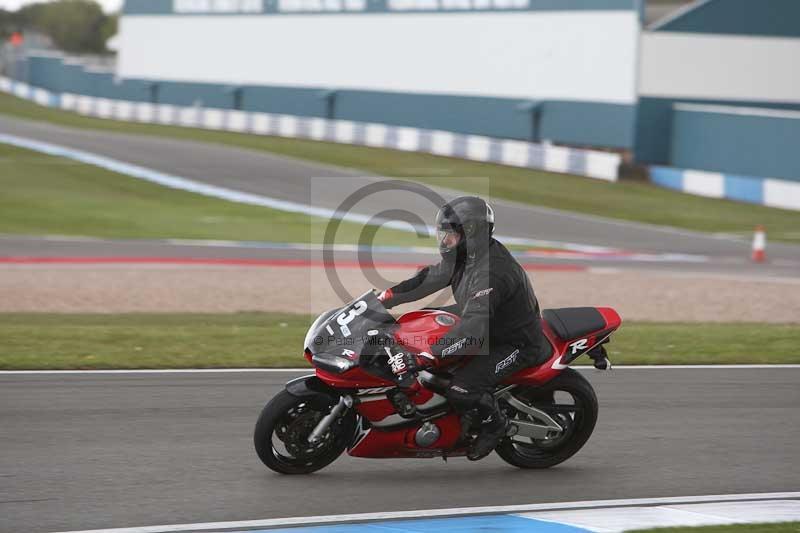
column 345, row 403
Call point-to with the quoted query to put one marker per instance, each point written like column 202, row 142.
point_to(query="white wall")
column 571, row 55
column 720, row 67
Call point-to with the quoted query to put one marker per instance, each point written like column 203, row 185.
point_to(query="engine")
column 427, row 435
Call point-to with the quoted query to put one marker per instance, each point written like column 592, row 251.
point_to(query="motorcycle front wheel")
column 571, row 401
column 282, row 431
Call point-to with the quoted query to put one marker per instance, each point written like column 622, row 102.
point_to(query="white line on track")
column 460, row 511
column 298, row 370
column 231, row 195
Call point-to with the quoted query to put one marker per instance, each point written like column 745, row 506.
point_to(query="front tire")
column 578, row 418
column 282, row 430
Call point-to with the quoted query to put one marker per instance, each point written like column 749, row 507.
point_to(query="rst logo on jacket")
column 454, row 347
column 483, row 292
column 506, row 362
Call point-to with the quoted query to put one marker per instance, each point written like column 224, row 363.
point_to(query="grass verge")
column 43, row 194
column 780, row 527
column 640, row 202
column 165, row 340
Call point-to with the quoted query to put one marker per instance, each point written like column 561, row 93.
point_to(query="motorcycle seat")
column 573, row 322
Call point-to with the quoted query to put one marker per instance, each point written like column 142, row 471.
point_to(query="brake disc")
column 296, row 436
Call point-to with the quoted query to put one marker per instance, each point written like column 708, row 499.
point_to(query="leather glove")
column 405, row 365
column 385, row 298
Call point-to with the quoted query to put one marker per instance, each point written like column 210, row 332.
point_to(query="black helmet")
column 472, row 219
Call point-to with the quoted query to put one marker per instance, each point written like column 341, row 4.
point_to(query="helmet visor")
column 448, row 238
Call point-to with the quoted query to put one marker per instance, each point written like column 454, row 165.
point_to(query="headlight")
column 314, row 330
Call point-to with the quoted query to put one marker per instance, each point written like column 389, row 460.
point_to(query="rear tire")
column 282, row 430
column 578, row 424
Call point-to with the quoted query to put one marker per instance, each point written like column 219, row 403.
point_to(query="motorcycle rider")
column 500, row 318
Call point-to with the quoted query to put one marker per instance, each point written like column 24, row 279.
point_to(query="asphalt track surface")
column 113, row 450
column 326, row 186
column 29, row 248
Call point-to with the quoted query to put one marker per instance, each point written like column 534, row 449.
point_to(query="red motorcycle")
column 552, row 408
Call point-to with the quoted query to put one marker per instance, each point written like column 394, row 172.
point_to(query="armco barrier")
column 588, row 163
column 765, row 191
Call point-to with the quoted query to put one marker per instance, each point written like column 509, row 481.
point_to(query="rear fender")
column 313, row 389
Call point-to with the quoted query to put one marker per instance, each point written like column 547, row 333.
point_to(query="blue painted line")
column 744, row 189
column 466, row 524
column 671, row 178
column 750, row 189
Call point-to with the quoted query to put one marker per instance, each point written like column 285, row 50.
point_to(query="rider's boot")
column 493, row 428
column 402, row 403
column 468, row 420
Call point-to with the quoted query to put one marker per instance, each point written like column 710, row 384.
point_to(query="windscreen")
column 345, row 333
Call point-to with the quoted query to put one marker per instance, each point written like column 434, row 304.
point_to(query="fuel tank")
column 420, row 330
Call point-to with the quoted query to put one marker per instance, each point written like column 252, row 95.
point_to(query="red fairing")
column 401, row 442
column 380, row 444
column 420, row 330
column 450, row 426
column 353, row 379
column 613, row 320
column 375, row 408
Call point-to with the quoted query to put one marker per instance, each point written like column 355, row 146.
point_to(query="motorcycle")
column 552, row 409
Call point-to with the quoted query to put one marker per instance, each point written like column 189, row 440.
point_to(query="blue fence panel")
column 99, row 83
column 130, row 89
column 774, row 18
column 566, row 122
column 289, row 101
column 588, row 123
column 654, row 124
column 462, row 114
column 745, row 143
column 74, row 79
column 45, row 72
column 188, row 94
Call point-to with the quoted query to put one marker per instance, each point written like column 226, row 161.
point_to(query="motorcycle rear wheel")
column 577, row 418
column 282, row 430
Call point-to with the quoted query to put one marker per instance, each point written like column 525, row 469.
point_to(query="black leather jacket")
column 494, row 298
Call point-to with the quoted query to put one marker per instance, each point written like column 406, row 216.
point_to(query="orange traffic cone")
column 759, row 243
